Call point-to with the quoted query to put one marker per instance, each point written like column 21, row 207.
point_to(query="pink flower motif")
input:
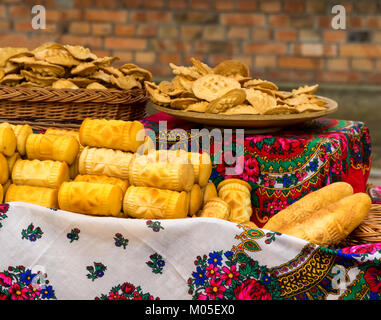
column 33, row 291
column 362, row 249
column 5, row 280
column 251, row 289
column 229, row 274
column 216, row 289
column 212, row 271
column 373, row 277
column 113, row 296
column 18, row 293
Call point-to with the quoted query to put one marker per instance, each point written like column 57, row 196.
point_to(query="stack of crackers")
column 228, row 88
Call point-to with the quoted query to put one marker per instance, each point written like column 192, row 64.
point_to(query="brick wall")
column 281, row 40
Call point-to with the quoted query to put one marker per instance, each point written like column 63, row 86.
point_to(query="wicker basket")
column 369, row 231
column 48, row 107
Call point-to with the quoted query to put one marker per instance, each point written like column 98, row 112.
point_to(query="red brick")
column 154, row 4
column 243, row 19
column 147, row 30
column 300, row 63
column 23, row 26
column 246, row 5
column 5, row 25
column 133, row 4
column 246, row 59
column 151, row 16
column 264, row 47
column 291, row 75
column 373, row 22
column 285, row 35
column 294, row 6
column 355, row 22
column 316, row 6
column 279, row 20
column 177, row 4
column 270, row 6
column 102, row 29
column 145, row 57
column 13, row 40
column 168, row 31
column 335, row 36
column 339, row 77
column 79, row 28
column 337, row 64
column 315, row 50
column 265, row 61
column 167, row 57
column 363, row 64
column 120, row 43
column 224, row 5
column 214, row 32
column 108, row 4
column 199, row 4
column 91, row 42
column 261, row 34
column 238, row 33
column 84, row 3
column 217, row 58
column 124, row 56
column 360, row 50
column 373, row 78
column 71, row 14
column 191, row 31
column 324, row 21
column 20, row 11
column 99, row 15
column 101, row 52
column 124, row 29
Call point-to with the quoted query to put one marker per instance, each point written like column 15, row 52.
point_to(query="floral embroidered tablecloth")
column 52, row 254
column 285, row 165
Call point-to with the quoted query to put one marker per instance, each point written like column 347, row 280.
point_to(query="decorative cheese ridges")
column 153, row 203
column 8, row 141
column 308, row 205
column 4, row 170
column 90, row 198
column 202, row 166
column 102, row 161
column 40, row 173
column 52, row 147
column 216, row 208
column 195, row 200
column 123, row 184
column 45, row 197
column 146, row 171
column 22, row 133
column 237, row 194
column 112, row 134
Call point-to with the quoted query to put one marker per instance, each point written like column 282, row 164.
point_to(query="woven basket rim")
column 81, row 95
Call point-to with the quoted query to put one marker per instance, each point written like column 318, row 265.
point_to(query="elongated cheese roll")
column 45, row 197
column 12, row 160
column 6, row 186
column 1, row 193
column 40, row 173
column 333, row 223
column 90, row 198
column 52, row 147
column 112, row 134
column 154, row 203
column 195, row 200
column 308, row 205
column 8, row 141
column 209, row 192
column 102, row 161
column 123, row 184
column 22, row 133
column 236, row 193
column 146, row 172
column 216, row 208
column 4, row 170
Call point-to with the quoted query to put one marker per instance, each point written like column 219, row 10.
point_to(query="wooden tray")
column 249, row 121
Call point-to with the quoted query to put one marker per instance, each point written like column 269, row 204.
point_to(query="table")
column 285, row 165
column 53, row 254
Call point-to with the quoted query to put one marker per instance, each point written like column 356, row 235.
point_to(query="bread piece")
column 333, row 223
column 52, row 147
column 195, row 200
column 4, row 170
column 22, row 133
column 149, row 171
column 8, row 141
column 236, row 193
column 216, row 208
column 123, row 184
column 45, row 197
column 90, row 198
column 154, row 203
column 209, row 192
column 40, row 173
column 102, row 161
column 112, row 134
column 307, row 206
